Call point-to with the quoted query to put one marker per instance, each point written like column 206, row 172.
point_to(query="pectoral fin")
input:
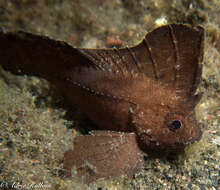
column 103, row 154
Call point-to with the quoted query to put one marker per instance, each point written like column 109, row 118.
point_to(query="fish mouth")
column 156, row 145
column 195, row 138
column 182, row 144
column 199, row 135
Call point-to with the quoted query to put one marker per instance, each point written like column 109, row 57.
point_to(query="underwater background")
column 37, row 125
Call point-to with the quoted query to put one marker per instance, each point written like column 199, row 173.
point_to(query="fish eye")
column 176, row 124
column 174, row 121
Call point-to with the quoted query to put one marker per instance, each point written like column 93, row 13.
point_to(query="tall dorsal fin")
column 170, row 54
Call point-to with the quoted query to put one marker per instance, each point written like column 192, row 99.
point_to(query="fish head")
column 166, row 130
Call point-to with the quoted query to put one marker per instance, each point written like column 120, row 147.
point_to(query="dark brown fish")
column 143, row 96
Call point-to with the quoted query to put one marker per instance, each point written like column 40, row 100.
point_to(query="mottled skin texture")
column 143, row 97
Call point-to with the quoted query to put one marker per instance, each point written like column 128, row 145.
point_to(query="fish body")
column 142, row 97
